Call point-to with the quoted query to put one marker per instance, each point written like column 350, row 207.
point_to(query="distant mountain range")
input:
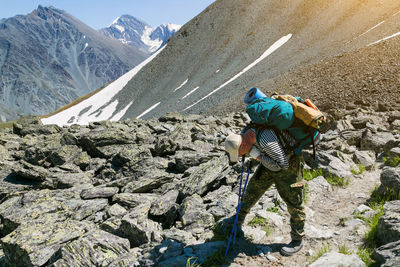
column 134, row 32
column 48, row 58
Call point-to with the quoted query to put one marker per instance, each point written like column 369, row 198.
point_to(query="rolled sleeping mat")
column 252, row 94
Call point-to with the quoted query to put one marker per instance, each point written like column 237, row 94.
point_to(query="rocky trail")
column 151, row 193
column 330, row 223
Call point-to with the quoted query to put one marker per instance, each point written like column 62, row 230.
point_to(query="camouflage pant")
column 289, row 184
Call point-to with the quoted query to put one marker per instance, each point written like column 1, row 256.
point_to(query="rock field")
column 150, row 193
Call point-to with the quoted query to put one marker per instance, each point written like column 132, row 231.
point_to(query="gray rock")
column 204, row 177
column 148, row 182
column 193, row 213
column 390, row 181
column 99, row 192
column 97, row 248
column 332, row 165
column 375, row 142
column 165, row 209
column 116, row 211
column 139, row 230
column 389, row 223
column 353, row 137
column 365, row 158
column 314, row 233
column 394, row 152
column 184, row 237
column 364, row 211
column 203, row 251
column 388, row 255
column 131, row 200
column 337, row 259
column 318, row 186
column 31, row 172
column 23, row 250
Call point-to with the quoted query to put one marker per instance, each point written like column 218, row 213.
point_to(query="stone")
column 390, row 181
column 184, row 237
column 165, row 209
column 22, row 249
column 389, row 223
column 203, row 251
column 273, row 218
column 193, row 213
column 31, row 172
column 387, row 255
column 99, row 192
column 364, row 211
column 394, row 152
column 131, row 200
column 139, row 230
column 204, row 177
column 314, row 233
column 116, row 210
column 318, row 186
column 365, row 158
column 375, row 142
column 97, row 248
column 148, row 182
column 337, row 259
column 176, row 261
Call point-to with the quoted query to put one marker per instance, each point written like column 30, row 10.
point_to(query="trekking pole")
column 240, row 198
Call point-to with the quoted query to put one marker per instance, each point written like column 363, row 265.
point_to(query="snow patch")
column 94, row 105
column 115, row 21
column 119, row 27
column 148, row 110
column 217, row 71
column 188, row 94
column 120, row 114
column 152, row 44
column 384, row 39
column 86, row 45
column 268, row 52
column 172, row 27
column 180, row 86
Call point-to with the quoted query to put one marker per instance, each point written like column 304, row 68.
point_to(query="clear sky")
column 101, row 13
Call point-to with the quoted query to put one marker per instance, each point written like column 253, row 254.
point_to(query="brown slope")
column 369, row 75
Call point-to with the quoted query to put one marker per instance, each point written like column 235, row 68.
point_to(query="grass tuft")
column 345, row 250
column 392, row 161
column 260, row 221
column 192, row 262
column 322, row 250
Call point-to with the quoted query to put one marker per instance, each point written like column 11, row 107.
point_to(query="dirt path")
column 329, row 212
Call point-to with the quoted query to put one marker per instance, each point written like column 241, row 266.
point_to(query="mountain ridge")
column 62, row 60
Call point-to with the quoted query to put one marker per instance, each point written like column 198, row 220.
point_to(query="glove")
column 254, row 152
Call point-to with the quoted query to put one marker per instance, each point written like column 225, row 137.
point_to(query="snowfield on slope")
column 98, row 106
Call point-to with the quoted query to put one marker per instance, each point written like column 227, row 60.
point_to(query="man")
column 276, row 167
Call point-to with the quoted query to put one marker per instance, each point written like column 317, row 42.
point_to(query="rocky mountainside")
column 48, row 58
column 150, row 193
column 301, row 47
column 134, row 32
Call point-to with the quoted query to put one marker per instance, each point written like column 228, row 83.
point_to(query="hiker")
column 277, row 166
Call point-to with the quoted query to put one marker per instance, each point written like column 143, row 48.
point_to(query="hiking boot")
column 292, row 247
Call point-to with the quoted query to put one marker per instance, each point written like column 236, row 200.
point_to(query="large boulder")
column 193, row 213
column 21, row 249
column 165, row 209
column 390, row 181
column 204, row 177
column 365, row 158
column 389, row 223
column 148, row 182
column 388, row 255
column 97, row 248
column 375, row 142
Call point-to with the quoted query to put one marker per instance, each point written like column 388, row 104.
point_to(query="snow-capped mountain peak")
column 137, row 33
